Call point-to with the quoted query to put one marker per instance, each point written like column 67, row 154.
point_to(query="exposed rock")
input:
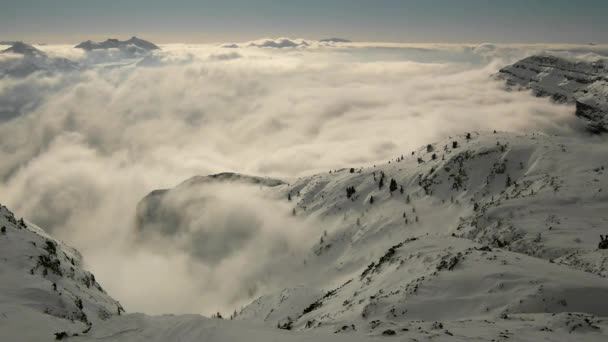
column 565, row 81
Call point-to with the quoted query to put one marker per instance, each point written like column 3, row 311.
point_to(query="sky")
column 206, row 21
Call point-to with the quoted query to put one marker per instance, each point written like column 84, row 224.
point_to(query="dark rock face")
column 582, row 83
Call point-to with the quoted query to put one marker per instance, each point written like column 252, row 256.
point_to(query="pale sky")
column 199, row 21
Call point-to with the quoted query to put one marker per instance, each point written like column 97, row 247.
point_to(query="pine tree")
column 381, row 183
column 371, row 200
column 454, row 144
column 393, row 186
column 350, row 191
column 289, row 196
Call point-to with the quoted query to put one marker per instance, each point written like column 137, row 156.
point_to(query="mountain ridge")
column 578, row 82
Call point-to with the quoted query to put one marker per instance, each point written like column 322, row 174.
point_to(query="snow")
column 564, row 80
column 501, row 239
column 494, row 237
column 44, row 286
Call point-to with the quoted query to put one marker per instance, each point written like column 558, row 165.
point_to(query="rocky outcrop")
column 582, row 83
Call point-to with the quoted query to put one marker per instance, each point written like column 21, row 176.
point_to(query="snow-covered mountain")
column 44, row 289
column 24, row 59
column 484, row 235
column 571, row 81
column 487, row 236
column 134, row 44
column 46, row 295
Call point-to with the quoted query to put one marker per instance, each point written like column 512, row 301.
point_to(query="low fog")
column 80, row 148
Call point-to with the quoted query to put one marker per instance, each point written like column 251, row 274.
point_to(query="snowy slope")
column 484, row 236
column 495, row 231
column 43, row 288
column 571, row 81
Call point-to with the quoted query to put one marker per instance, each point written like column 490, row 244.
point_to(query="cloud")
column 78, row 150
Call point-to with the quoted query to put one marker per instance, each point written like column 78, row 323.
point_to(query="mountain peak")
column 22, row 48
column 113, row 43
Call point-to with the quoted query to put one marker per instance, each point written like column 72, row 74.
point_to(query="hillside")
column 482, row 236
column 44, row 289
column 569, row 81
column 493, row 230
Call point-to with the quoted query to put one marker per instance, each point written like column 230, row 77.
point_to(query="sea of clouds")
column 79, row 148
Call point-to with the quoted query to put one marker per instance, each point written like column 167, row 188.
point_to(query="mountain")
column 482, row 236
column 46, row 295
column 32, row 60
column 132, row 44
column 44, row 289
column 335, row 40
column 279, row 43
column 21, row 48
column 566, row 81
column 495, row 235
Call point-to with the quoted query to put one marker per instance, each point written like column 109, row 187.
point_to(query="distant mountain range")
column 335, row 40
column 133, row 43
column 34, row 60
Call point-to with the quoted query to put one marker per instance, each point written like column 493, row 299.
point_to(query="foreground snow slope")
column 44, row 292
column 564, row 80
column 487, row 228
column 43, row 288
